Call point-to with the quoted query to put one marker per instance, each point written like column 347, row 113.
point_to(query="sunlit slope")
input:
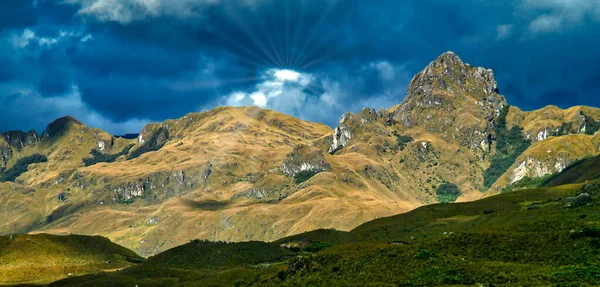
column 45, row 258
column 535, row 237
column 246, row 173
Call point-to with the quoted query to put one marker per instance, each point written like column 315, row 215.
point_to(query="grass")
column 45, row 258
column 510, row 143
column 98, row 156
column 493, row 241
column 447, row 192
column 21, row 167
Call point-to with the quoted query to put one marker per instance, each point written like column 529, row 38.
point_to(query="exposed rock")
column 304, row 158
column 207, row 172
column 581, row 200
column 153, row 220
column 6, row 154
column 445, row 86
column 60, row 126
column 342, row 135
column 533, row 168
column 129, row 191
column 422, row 150
column 253, row 193
column 19, row 139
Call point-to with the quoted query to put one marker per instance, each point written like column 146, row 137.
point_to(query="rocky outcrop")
column 342, row 135
column 6, row 154
column 160, row 185
column 19, row 139
column 128, row 191
column 454, row 99
column 60, row 126
column 534, row 168
column 304, row 158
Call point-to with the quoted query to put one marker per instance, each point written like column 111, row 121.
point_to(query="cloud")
column 158, row 59
column 32, row 110
column 319, row 97
column 546, row 23
column 126, row 11
column 560, row 14
column 504, row 31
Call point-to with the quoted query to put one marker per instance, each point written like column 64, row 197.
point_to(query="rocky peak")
column 19, row 139
column 452, row 98
column 60, row 126
column 448, row 73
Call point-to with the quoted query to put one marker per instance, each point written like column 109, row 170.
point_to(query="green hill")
column 45, row 258
column 535, row 237
column 580, row 171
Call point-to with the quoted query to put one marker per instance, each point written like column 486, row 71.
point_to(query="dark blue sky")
column 119, row 64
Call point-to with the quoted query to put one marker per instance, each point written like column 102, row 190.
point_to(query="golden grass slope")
column 40, row 259
column 221, row 174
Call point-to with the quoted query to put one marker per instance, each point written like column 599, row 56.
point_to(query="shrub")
column 316, row 246
column 304, row 175
column 21, row 166
column 424, row 254
column 100, row 157
column 153, row 144
column 402, row 140
column 448, row 192
column 510, row 144
column 591, row 126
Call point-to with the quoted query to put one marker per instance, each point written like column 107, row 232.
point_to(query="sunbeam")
column 246, row 50
column 251, row 36
column 313, row 34
column 196, row 85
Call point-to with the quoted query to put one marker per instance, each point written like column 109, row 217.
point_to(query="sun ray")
column 313, row 33
column 286, row 37
column 320, row 59
column 296, row 37
column 194, row 85
column 301, row 61
column 254, row 39
column 269, row 38
column 247, row 51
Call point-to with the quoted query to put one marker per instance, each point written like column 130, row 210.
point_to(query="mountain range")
column 246, row 173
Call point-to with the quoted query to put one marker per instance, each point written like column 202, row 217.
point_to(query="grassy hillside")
column 580, row 171
column 45, row 258
column 536, row 237
column 246, row 173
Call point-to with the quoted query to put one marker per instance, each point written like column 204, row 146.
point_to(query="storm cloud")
column 117, row 64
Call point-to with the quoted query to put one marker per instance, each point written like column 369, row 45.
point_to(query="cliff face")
column 253, row 174
column 453, row 99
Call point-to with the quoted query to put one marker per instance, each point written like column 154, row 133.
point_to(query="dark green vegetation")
column 447, row 192
column 530, row 237
column 510, row 144
column 578, row 172
column 45, row 258
column 591, row 126
column 21, row 166
column 304, row 176
column 156, row 142
column 402, row 140
column 98, row 156
column 527, row 183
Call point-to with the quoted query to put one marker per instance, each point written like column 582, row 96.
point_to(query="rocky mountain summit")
column 246, row 173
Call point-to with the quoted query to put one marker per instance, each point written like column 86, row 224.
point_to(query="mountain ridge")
column 246, row 173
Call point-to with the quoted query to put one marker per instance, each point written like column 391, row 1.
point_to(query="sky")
column 118, row 65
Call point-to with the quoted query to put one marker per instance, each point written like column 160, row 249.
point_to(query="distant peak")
column 448, row 58
column 61, row 125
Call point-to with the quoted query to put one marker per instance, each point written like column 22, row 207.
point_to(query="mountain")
column 242, row 174
column 44, row 258
column 537, row 237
